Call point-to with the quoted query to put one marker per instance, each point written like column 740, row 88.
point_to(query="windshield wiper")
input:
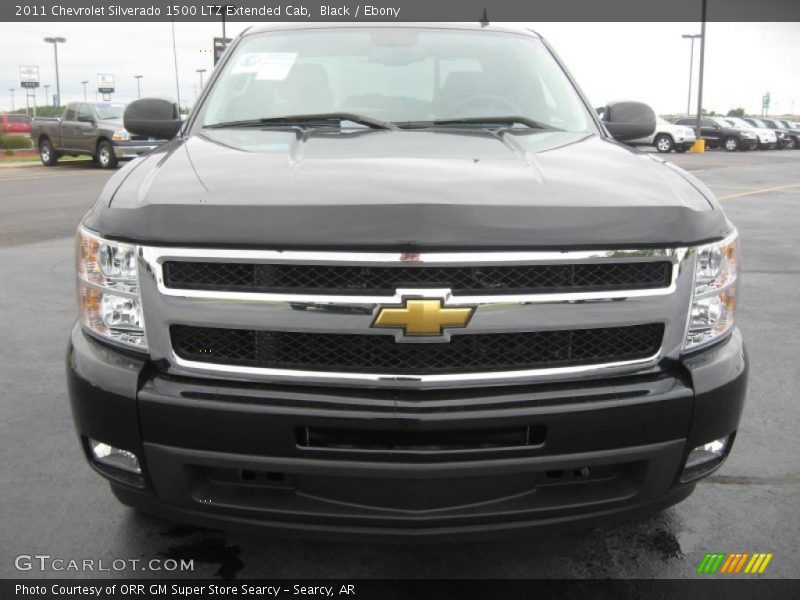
column 502, row 122
column 312, row 120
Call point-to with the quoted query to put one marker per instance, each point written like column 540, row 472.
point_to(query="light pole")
column 138, row 79
column 692, row 37
column 201, row 71
column 84, row 89
column 47, row 98
column 702, row 62
column 175, row 58
column 56, row 41
column 12, row 98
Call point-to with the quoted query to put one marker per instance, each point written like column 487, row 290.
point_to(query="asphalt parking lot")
column 53, row 503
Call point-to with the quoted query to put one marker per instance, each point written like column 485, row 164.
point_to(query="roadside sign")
column 29, row 77
column 105, row 83
column 220, row 45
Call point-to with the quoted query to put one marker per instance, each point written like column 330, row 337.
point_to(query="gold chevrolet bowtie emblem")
column 423, row 317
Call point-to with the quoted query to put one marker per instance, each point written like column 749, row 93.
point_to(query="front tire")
column 47, row 153
column 731, row 144
column 105, row 155
column 664, row 143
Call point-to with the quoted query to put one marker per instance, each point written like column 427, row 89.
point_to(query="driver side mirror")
column 153, row 117
column 628, row 120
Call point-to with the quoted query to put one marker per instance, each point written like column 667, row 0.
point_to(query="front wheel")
column 47, row 153
column 731, row 144
column 105, row 155
column 663, row 143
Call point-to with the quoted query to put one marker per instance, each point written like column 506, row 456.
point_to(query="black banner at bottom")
column 384, row 589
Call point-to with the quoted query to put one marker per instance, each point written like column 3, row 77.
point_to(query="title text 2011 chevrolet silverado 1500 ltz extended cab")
column 93, row 128
column 400, row 281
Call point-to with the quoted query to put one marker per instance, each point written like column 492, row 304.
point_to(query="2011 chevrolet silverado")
column 401, row 282
column 89, row 128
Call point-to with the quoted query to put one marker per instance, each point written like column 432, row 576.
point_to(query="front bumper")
column 127, row 150
column 238, row 455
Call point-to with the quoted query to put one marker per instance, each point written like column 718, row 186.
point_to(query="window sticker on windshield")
column 266, row 65
column 276, row 65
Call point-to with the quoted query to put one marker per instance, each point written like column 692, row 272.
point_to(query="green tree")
column 736, row 112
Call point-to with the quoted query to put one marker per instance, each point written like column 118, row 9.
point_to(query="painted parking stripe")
column 760, row 191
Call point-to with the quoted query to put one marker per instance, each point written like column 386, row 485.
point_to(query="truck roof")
column 474, row 26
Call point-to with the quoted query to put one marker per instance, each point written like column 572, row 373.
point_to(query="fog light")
column 115, row 457
column 704, row 458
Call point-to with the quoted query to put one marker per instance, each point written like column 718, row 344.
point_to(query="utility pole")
column 47, row 98
column 201, row 71
column 175, row 57
column 56, row 41
column 692, row 37
column 138, row 79
column 702, row 61
column 84, row 89
column 12, row 98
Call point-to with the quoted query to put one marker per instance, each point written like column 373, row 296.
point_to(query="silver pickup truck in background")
column 93, row 128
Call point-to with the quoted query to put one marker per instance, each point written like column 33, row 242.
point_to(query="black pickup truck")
column 401, row 282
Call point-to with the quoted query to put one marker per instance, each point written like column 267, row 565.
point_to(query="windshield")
column 739, row 123
column 109, row 111
column 394, row 75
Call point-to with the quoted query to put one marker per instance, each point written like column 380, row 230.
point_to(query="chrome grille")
column 306, row 317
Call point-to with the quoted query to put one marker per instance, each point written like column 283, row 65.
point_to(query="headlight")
column 108, row 290
column 121, row 135
column 714, row 297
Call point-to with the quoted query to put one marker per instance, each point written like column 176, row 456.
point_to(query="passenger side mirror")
column 153, row 117
column 629, row 120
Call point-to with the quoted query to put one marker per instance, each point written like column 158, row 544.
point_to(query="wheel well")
column 99, row 140
column 42, row 138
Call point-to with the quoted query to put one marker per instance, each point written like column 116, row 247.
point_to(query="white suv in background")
column 667, row 137
column 767, row 138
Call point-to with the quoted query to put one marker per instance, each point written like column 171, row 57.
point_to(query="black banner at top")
column 397, row 10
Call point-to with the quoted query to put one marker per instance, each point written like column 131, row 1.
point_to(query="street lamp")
column 138, row 79
column 201, row 71
column 692, row 37
column 12, row 98
column 84, row 89
column 56, row 41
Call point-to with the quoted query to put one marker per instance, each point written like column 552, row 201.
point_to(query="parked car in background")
column 786, row 138
column 667, row 137
column 767, row 138
column 89, row 128
column 765, row 134
column 719, row 134
column 13, row 123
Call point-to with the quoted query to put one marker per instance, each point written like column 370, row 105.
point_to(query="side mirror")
column 152, row 117
column 629, row 120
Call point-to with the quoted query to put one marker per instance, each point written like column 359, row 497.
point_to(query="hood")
column 410, row 189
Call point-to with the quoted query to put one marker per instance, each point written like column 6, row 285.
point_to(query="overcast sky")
column 639, row 61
